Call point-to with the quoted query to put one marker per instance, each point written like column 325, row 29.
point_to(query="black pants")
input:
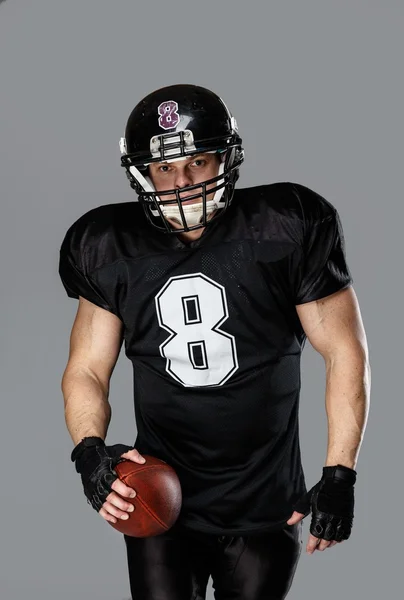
column 177, row 564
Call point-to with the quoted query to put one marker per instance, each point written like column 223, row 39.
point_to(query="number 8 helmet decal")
column 169, row 116
column 171, row 124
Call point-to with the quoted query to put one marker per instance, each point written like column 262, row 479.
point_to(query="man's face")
column 181, row 173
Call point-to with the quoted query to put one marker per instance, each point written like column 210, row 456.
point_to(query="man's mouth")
column 190, row 201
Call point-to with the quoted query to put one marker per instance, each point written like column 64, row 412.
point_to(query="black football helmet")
column 173, row 123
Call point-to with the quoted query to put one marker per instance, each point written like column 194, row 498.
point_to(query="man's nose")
column 182, row 178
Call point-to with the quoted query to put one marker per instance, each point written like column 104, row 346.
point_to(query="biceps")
column 333, row 322
column 95, row 340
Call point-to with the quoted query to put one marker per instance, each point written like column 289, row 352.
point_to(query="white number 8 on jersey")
column 192, row 308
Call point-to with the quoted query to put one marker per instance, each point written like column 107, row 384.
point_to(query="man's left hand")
column 331, row 502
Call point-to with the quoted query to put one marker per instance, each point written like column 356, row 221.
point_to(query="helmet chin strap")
column 193, row 212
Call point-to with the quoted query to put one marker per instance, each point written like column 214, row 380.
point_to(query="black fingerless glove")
column 95, row 462
column 331, row 502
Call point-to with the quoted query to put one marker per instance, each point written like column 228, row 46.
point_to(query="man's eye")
column 200, row 161
column 164, row 168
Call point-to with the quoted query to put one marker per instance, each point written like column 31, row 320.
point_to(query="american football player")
column 214, row 290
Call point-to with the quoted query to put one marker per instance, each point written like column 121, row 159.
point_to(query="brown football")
column 158, row 497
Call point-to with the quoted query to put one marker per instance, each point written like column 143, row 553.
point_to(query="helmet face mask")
column 160, row 129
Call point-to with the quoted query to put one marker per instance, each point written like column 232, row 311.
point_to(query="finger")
column 312, row 544
column 107, row 516
column 323, row 545
column 332, row 543
column 134, row 455
column 119, row 502
column 123, row 490
column 111, row 509
column 295, row 518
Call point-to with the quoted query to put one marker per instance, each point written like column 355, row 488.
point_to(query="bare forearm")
column 347, row 405
column 87, row 410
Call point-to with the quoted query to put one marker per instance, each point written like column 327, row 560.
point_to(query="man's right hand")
column 100, row 482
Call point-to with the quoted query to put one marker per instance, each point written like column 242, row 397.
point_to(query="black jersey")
column 215, row 341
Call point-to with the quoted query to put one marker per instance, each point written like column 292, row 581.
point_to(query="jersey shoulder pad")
column 314, row 207
column 91, row 242
column 279, row 198
column 290, row 209
column 293, row 199
column 88, row 240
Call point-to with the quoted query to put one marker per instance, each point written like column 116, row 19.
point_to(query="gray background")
column 317, row 90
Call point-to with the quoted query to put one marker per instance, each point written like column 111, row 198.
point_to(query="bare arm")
column 95, row 343
column 334, row 328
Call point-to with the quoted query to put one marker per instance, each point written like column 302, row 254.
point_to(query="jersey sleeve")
column 74, row 270
column 324, row 269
